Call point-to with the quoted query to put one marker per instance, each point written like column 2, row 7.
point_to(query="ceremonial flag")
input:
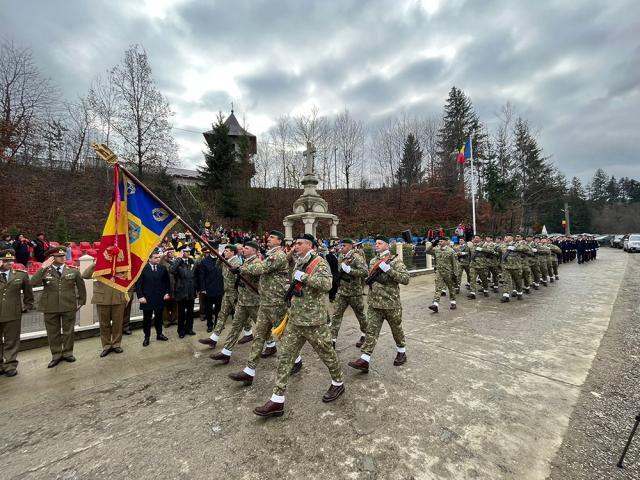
column 465, row 152
column 136, row 225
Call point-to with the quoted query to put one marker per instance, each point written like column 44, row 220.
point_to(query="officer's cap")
column 56, row 252
column 8, row 254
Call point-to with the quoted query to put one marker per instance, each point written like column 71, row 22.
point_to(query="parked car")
column 604, row 240
column 623, row 242
column 617, row 241
column 633, row 243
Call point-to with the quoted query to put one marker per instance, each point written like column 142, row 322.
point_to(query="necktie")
column 59, row 270
column 154, row 268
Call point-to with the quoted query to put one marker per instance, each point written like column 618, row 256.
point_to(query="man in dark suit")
column 152, row 289
column 185, row 290
column 211, row 284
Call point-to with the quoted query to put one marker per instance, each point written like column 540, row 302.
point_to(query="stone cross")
column 309, row 153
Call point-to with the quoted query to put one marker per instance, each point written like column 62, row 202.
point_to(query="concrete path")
column 487, row 393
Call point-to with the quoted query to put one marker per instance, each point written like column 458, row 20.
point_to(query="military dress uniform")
column 447, row 262
column 14, row 285
column 63, row 294
column 353, row 269
column 384, row 304
column 110, row 304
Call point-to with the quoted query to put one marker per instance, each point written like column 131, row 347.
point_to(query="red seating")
column 76, row 254
column 53, row 244
column 18, row 266
column 96, row 245
column 93, row 252
column 85, row 245
column 73, row 245
column 71, row 263
column 33, row 267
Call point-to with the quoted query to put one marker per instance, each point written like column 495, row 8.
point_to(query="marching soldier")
column 543, row 259
column 13, row 285
column 385, row 277
column 353, row 268
column 447, row 268
column 274, row 281
column 63, row 295
column 478, row 266
column 307, row 323
column 464, row 263
column 493, row 261
column 555, row 252
column 532, row 260
column 110, row 304
column 512, row 267
column 248, row 303
column 524, row 262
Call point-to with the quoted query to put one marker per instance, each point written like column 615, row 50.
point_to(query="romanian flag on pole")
column 465, row 152
column 134, row 228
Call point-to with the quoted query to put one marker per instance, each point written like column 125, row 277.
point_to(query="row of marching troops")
column 512, row 264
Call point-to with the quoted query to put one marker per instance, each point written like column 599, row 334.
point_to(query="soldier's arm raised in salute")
column 37, row 278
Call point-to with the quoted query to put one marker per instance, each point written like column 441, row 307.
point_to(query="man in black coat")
column 211, row 285
column 40, row 246
column 152, row 289
column 183, row 270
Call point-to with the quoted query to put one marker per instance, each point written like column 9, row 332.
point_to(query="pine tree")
column 598, row 187
column 410, row 171
column 613, row 192
column 579, row 207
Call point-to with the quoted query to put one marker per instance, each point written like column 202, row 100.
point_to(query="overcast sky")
column 571, row 67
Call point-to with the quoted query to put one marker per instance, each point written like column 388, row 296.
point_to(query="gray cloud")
column 571, row 68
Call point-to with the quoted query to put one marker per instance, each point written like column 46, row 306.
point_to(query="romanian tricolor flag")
column 136, row 225
column 465, row 152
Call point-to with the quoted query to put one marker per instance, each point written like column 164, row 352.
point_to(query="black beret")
column 381, row 238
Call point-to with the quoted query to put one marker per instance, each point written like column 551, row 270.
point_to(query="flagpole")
column 170, row 210
column 473, row 188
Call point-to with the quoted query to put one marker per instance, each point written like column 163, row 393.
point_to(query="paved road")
column 487, row 393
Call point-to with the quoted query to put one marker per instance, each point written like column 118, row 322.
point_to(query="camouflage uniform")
column 350, row 292
column 464, row 262
column 543, row 262
column 446, row 273
column 247, row 307
column 274, row 281
column 532, row 260
column 513, row 255
column 384, row 304
column 493, row 264
column 555, row 250
column 479, row 256
column 307, row 323
column 229, row 299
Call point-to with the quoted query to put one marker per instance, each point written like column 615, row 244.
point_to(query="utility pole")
column 567, row 227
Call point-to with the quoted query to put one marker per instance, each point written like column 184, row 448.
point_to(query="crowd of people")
column 262, row 290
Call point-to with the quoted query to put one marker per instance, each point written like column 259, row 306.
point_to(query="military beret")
column 56, row 252
column 252, row 245
column 445, row 238
column 308, row 236
column 382, row 238
column 348, row 240
column 231, row 247
column 277, row 233
column 8, row 254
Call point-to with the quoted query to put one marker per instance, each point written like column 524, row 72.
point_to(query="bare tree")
column 428, row 139
column 79, row 120
column 349, row 138
column 281, row 139
column 316, row 129
column 25, row 100
column 103, row 100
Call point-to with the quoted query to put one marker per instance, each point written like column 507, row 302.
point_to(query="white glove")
column 346, row 268
column 298, row 275
column 479, row 249
column 535, row 250
column 511, row 247
column 462, row 254
column 385, row 267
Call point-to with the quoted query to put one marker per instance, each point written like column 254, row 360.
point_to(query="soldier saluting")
column 63, row 295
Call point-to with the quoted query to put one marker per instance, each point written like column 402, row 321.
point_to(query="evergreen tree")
column 410, row 171
column 598, row 187
column 220, row 175
column 613, row 192
column 579, row 207
column 500, row 191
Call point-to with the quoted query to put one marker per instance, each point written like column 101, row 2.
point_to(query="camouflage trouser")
column 535, row 271
column 244, row 315
column 444, row 279
column 479, row 272
column 463, row 268
column 550, row 265
column 494, row 271
column 544, row 271
column 229, row 300
column 375, row 319
column 268, row 317
column 340, row 305
column 293, row 340
column 512, row 280
column 554, row 266
column 526, row 276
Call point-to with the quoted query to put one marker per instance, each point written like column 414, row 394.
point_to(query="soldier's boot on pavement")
column 268, row 351
column 495, row 289
column 452, row 305
column 270, row 409
column 514, row 293
column 11, row 373
column 443, row 293
column 519, row 294
column 360, row 342
column 485, row 292
column 246, row 338
column 297, row 366
column 551, row 279
column 434, row 306
column 527, row 290
column 333, row 393
column 54, row 362
column 457, row 290
column 208, row 341
column 557, row 277
column 401, row 359
column 505, row 298
column 223, row 358
column 333, row 343
column 243, row 377
column 360, row 364
column 543, row 282
column 471, row 296
column 145, row 342
column 468, row 285
column 536, row 286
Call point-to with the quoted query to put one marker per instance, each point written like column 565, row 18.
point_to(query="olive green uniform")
column 11, row 307
column 350, row 292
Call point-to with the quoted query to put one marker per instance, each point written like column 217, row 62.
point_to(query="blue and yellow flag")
column 136, row 225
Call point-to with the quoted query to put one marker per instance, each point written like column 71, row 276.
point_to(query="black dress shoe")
column 11, row 373
column 401, row 358
column 209, row 329
column 181, row 335
column 161, row 337
column 360, row 364
column 105, row 352
column 54, row 362
column 126, row 332
column 69, row 358
column 145, row 342
column 207, row 341
column 117, row 350
column 270, row 409
column 296, row 367
column 243, row 377
column 191, row 332
column 333, row 393
column 269, row 351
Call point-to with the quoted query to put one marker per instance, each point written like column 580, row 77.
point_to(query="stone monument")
column 310, row 208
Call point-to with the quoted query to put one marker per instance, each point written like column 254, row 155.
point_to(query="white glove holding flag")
column 298, row 275
column 385, row 267
column 346, row 268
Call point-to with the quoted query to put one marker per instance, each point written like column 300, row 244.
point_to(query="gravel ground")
column 610, row 399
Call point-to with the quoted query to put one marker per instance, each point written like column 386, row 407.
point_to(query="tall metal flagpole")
column 473, row 187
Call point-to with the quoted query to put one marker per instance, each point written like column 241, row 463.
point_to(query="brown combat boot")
column 361, row 365
column 246, row 339
column 360, row 342
column 401, row 358
column 270, row 409
column 220, row 357
column 243, row 377
column 207, row 341
column 333, row 393
column 267, row 352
